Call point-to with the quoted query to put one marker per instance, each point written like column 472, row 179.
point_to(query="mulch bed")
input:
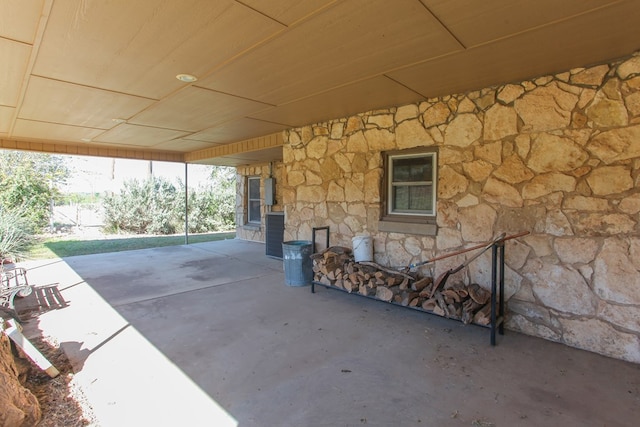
column 61, row 403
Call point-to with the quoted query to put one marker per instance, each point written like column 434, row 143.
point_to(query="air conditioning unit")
column 274, row 234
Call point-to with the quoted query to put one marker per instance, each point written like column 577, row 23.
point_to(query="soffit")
column 70, row 67
column 237, row 130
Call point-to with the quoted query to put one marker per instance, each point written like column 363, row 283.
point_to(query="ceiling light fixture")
column 187, row 78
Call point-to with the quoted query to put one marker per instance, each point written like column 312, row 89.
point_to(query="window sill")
column 250, row 226
column 421, row 228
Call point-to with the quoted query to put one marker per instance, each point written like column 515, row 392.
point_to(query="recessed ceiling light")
column 118, row 120
column 187, row 78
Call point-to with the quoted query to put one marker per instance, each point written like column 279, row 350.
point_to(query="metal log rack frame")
column 497, row 285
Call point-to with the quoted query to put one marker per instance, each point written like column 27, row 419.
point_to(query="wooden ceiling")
column 99, row 77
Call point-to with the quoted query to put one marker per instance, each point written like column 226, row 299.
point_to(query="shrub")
column 15, row 232
column 150, row 206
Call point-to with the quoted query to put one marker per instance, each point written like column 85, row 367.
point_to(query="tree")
column 29, row 182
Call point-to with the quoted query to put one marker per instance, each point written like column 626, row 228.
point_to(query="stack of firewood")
column 336, row 267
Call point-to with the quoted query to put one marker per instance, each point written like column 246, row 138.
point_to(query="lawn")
column 64, row 246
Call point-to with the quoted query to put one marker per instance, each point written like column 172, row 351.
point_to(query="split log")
column 479, row 294
column 386, row 270
column 429, row 304
column 421, row 284
column 349, row 286
column 441, row 303
column 483, row 316
column 384, row 294
column 407, row 297
column 450, row 296
column 469, row 308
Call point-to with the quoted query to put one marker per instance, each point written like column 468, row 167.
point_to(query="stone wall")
column 250, row 231
column 557, row 156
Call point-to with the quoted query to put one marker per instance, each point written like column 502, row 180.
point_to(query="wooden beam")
column 91, row 150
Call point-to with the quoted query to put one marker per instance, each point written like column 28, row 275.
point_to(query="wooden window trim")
column 410, row 224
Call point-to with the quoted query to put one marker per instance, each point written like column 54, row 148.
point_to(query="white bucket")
column 362, row 248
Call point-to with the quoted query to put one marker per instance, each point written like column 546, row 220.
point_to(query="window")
column 409, row 202
column 253, row 200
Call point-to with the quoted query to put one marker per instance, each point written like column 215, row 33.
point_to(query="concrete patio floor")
column 209, row 335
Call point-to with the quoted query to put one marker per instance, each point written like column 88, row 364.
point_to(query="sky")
column 95, row 175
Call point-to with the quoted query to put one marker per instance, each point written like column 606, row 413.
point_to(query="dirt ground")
column 62, row 403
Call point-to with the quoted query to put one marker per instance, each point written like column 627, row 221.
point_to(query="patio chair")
column 13, row 282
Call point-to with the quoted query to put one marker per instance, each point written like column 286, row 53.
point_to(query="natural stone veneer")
column 557, row 156
column 256, row 232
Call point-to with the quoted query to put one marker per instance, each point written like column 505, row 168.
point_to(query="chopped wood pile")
column 336, row 267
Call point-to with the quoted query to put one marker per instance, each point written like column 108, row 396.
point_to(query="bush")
column 155, row 206
column 210, row 210
column 148, row 207
column 212, row 206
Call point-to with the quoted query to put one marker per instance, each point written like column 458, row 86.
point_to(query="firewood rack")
column 497, row 302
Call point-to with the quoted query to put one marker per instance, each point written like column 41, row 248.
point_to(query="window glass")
column 254, row 188
column 253, row 199
column 411, row 184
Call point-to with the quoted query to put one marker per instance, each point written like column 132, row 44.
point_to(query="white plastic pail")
column 362, row 248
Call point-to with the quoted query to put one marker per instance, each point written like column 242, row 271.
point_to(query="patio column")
column 186, row 203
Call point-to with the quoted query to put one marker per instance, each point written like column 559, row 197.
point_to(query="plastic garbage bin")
column 298, row 267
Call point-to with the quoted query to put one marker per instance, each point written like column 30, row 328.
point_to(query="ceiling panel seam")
column 444, row 26
column 35, row 48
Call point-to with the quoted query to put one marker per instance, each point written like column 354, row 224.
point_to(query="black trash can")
column 298, row 267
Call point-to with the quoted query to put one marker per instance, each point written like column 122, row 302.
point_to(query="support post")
column 186, row 203
column 494, row 272
column 501, row 306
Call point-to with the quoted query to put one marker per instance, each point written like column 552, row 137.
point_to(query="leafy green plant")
column 29, row 181
column 155, row 206
column 143, row 207
column 211, row 208
column 15, row 233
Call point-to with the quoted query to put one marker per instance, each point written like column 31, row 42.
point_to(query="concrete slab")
column 208, row 334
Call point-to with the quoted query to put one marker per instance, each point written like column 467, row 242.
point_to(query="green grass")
column 60, row 247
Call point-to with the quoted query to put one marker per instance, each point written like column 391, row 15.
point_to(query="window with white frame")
column 253, row 200
column 410, row 186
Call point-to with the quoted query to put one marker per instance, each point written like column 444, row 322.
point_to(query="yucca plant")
column 15, row 234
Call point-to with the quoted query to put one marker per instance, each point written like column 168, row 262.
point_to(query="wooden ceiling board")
column 143, row 136
column 138, row 47
column 29, row 129
column 14, row 60
column 351, row 41
column 261, row 156
column 587, row 39
column 237, row 130
column 19, row 19
column 378, row 92
column 288, row 12
column 54, row 101
column 184, row 145
column 6, row 114
column 193, row 109
column 476, row 22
